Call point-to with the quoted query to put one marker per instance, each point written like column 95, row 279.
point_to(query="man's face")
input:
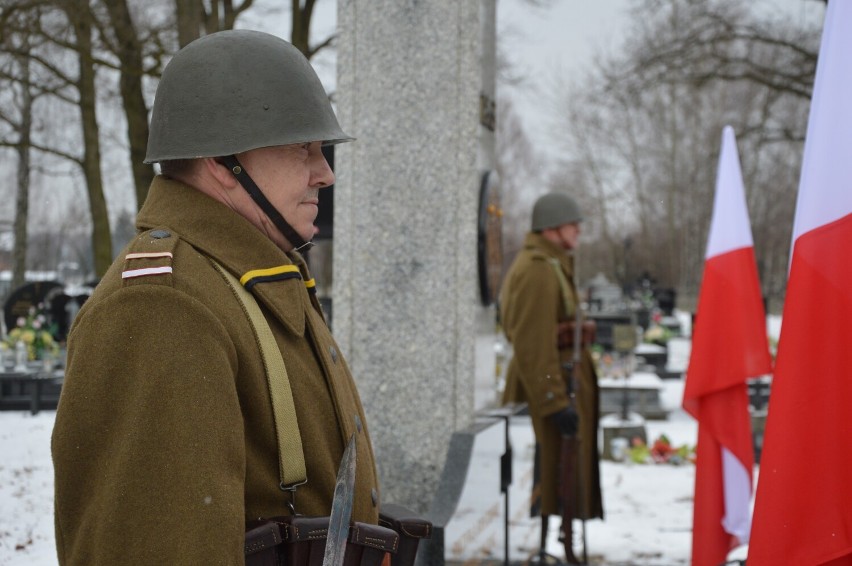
column 290, row 177
column 569, row 234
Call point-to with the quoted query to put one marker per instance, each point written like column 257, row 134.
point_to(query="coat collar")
column 535, row 241
column 221, row 234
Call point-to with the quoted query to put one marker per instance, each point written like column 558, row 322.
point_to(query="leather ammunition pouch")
column 410, row 529
column 300, row 541
column 565, row 334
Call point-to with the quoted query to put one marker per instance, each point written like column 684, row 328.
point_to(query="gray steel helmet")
column 554, row 209
column 236, row 90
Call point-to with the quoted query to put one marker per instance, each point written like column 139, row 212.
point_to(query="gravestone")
column 666, row 299
column 416, row 88
column 680, row 349
column 653, row 356
column 619, row 432
column 640, row 391
column 606, row 324
column 63, row 308
column 603, row 294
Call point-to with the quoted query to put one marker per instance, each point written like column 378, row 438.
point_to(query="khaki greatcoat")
column 164, row 443
column 531, row 306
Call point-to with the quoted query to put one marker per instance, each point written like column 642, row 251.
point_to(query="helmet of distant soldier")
column 237, row 90
column 553, row 210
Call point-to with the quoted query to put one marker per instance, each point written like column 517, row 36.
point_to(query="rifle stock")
column 568, row 493
column 570, row 480
column 569, row 485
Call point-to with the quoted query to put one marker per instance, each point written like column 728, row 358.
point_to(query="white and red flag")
column 803, row 508
column 729, row 345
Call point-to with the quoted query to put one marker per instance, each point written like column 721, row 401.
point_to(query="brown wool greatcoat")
column 531, row 306
column 164, row 443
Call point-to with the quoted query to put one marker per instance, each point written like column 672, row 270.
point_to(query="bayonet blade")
column 341, row 508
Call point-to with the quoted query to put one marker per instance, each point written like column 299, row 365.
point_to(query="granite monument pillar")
column 416, row 88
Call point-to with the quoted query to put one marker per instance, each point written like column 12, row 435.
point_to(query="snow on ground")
column 648, row 508
column 26, row 489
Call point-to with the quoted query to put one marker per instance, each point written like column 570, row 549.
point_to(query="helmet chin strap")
column 299, row 243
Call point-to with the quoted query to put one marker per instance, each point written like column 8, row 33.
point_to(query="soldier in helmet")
column 538, row 308
column 165, row 441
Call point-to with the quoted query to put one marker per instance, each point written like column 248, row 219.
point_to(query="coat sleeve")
column 531, row 319
column 148, row 444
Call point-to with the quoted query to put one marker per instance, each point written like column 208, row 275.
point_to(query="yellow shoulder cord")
column 292, row 468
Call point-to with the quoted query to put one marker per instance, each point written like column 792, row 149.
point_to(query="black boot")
column 566, row 537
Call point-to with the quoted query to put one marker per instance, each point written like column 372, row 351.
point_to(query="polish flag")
column 803, row 509
column 729, row 345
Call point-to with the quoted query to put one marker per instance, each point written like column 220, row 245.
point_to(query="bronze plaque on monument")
column 490, row 236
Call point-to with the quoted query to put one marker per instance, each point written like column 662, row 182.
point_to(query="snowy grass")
column 26, row 489
column 648, row 507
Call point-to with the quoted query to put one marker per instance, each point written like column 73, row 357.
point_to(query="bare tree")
column 124, row 41
column 196, row 18
column 644, row 132
column 302, row 12
column 519, row 169
column 188, row 15
column 22, row 200
column 81, row 41
column 68, row 28
column 81, row 18
column 722, row 40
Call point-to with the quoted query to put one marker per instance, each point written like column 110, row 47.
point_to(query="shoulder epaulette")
column 149, row 258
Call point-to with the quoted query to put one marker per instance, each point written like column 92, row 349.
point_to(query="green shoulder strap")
column 563, row 286
column 292, row 468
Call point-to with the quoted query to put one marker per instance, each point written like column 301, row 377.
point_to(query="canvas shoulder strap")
column 563, row 286
column 292, row 467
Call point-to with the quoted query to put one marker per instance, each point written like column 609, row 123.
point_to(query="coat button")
column 333, row 351
column 358, row 425
column 160, row 234
column 374, row 495
column 549, row 395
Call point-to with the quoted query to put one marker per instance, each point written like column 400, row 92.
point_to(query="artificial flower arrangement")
column 35, row 333
column 661, row 451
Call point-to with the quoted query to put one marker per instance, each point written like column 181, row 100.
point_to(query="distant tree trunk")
column 22, row 202
column 81, row 19
column 129, row 52
column 192, row 17
column 188, row 15
column 300, row 32
column 672, row 245
column 301, row 25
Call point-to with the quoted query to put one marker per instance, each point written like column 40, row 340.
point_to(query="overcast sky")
column 567, row 36
column 564, row 37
